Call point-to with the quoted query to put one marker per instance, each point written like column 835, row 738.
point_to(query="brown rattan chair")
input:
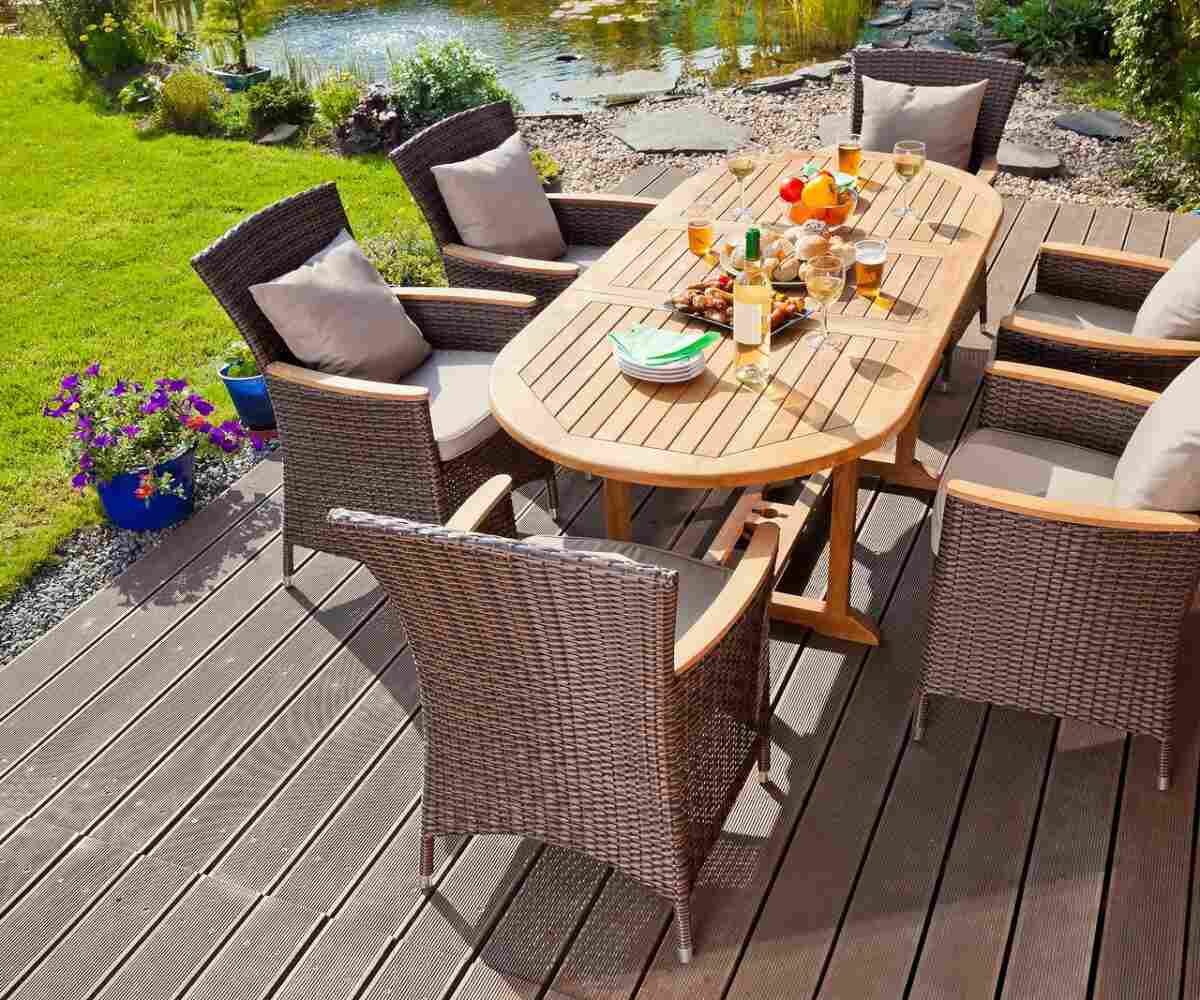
column 588, row 221
column 560, row 703
column 347, row 441
column 1104, row 288
column 1059, row 603
column 930, row 68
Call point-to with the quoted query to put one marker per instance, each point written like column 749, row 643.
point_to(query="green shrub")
column 1147, row 40
column 156, row 41
column 189, row 102
column 433, row 82
column 407, row 257
column 1057, row 31
column 232, row 117
column 964, row 39
column 1166, row 164
column 109, row 45
column 547, row 166
column 336, row 96
column 277, row 101
column 78, row 21
column 140, row 93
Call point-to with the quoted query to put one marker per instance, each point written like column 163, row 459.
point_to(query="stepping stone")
column 819, row 71
column 832, row 127
column 689, row 131
column 279, row 135
column 1005, row 50
column 1027, row 161
column 889, row 19
column 899, row 42
column 939, row 42
column 633, row 85
column 920, row 5
column 1097, row 124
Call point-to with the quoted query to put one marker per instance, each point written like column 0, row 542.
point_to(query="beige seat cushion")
column 941, row 117
column 1036, row 466
column 336, row 314
column 1077, row 314
column 459, row 406
column 1160, row 466
column 1172, row 309
column 584, row 255
column 497, row 203
column 699, row 582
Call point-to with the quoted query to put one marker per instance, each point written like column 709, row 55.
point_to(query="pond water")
column 704, row 41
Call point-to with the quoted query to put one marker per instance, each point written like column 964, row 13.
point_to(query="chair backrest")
column 452, row 140
column 931, row 68
column 263, row 247
column 550, row 702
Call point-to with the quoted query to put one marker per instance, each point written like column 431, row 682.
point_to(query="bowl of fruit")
column 817, row 194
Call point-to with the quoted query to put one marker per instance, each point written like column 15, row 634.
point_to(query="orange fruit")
column 836, row 215
column 799, row 212
column 820, row 192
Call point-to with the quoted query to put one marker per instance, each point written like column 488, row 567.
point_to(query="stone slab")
column 1027, row 161
column 823, row 72
column 939, row 42
column 920, row 5
column 690, row 131
column 1005, row 50
column 1097, row 124
column 898, row 42
column 635, row 84
column 279, row 135
column 889, row 18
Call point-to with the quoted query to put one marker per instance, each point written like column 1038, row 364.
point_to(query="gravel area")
column 90, row 558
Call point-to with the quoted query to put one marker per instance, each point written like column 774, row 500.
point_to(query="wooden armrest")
column 619, row 200
column 344, row 385
column 988, row 170
column 1099, row 339
column 480, row 504
column 1093, row 515
column 467, row 296
column 1120, row 258
column 757, row 565
column 1074, row 381
column 485, row 258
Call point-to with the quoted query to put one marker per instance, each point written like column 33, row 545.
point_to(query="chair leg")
column 921, row 718
column 289, row 564
column 683, row 929
column 425, row 873
column 942, row 382
column 552, row 495
column 764, row 741
column 1164, row 765
column 983, row 311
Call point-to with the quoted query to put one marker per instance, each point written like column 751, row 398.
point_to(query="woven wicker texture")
column 924, row 68
column 1124, row 286
column 551, row 705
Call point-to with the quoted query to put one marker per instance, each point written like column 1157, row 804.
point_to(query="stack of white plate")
column 676, row 371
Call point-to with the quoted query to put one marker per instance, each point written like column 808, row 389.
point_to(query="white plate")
column 663, row 373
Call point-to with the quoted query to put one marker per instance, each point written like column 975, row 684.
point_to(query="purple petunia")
column 118, row 389
column 92, row 370
column 80, row 480
column 156, row 401
column 201, row 405
column 102, row 440
column 85, row 462
column 131, row 430
column 70, row 381
column 257, row 442
column 171, row 384
column 234, row 427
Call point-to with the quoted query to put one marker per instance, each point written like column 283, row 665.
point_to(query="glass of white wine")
column 826, row 278
column 742, row 163
column 908, row 159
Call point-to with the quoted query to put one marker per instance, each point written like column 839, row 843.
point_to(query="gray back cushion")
column 497, row 203
column 1160, row 466
column 941, row 117
column 1172, row 309
column 336, row 314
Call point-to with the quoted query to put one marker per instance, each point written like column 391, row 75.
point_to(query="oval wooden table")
column 556, row 389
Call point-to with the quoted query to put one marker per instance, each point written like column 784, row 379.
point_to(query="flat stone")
column 635, row 84
column 1098, row 124
column 1027, row 161
column 899, row 42
column 690, row 131
column 279, row 135
column 939, row 42
column 818, row 71
column 920, row 5
column 1005, row 50
column 566, row 57
column 832, row 127
column 889, row 19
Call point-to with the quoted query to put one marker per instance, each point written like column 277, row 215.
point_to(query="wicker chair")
column 588, row 221
column 1104, row 289
column 349, row 441
column 559, row 700
column 929, row 68
column 1059, row 603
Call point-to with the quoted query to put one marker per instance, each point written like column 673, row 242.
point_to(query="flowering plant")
column 130, row 427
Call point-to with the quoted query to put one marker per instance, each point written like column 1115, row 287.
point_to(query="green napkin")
column 648, row 345
column 843, row 182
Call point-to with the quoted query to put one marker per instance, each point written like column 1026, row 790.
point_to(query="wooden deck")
column 210, row 788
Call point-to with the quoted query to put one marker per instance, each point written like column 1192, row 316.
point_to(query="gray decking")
column 210, row 788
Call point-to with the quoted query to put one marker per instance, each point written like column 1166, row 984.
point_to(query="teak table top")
column 556, row 388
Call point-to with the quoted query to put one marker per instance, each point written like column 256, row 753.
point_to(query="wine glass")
column 701, row 233
column 908, row 159
column 741, row 163
column 825, row 277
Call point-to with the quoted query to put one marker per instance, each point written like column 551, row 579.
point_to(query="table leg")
column 618, row 512
column 833, row 616
column 904, row 469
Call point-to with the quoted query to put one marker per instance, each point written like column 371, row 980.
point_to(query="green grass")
column 1091, row 84
column 97, row 226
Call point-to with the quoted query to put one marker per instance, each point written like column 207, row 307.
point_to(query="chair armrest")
column 468, row 319
column 1065, row 406
column 988, row 170
column 756, row 569
column 1100, row 340
column 1113, row 277
column 1113, row 258
column 466, row 296
column 480, row 504
column 507, row 262
column 343, row 385
column 599, row 219
column 602, row 198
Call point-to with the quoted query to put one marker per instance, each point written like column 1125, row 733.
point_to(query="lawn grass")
column 97, row 226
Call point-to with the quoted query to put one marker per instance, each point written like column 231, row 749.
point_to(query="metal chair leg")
column 683, row 928
column 764, row 741
column 425, row 872
column 552, row 495
column 921, row 718
column 289, row 564
column 1164, row 765
column 942, row 382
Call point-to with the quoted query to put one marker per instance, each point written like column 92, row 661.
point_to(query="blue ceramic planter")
column 163, row 509
column 237, row 82
column 251, row 401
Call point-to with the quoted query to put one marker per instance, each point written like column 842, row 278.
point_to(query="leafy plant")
column 238, row 361
column 226, row 24
column 189, row 102
column 435, row 81
column 1057, row 31
column 124, row 426
column 547, row 167
column 1166, row 164
column 336, row 96
column 78, row 21
column 964, row 39
column 109, row 45
column 231, row 118
column 375, row 123
column 157, row 41
column 140, row 93
column 406, row 257
column 1148, row 40
column 277, row 101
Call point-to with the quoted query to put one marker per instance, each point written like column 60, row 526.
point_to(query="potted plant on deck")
column 225, row 25
column 137, row 444
column 247, row 388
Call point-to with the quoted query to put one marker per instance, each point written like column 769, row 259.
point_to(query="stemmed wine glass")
column 741, row 163
column 825, row 277
column 908, row 159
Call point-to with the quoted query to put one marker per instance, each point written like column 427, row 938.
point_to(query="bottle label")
column 748, row 323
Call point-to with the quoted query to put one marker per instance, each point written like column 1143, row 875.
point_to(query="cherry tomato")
column 724, row 281
column 791, row 189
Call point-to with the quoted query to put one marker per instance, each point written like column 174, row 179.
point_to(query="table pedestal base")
column 819, row 616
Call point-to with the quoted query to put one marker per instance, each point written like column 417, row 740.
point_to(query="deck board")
column 211, row 790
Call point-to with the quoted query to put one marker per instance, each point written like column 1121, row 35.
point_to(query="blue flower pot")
column 251, row 401
column 237, row 82
column 163, row 509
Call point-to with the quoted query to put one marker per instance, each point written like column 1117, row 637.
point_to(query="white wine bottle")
column 752, row 296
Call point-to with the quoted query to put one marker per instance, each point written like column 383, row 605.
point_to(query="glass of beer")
column 849, row 153
column 908, row 159
column 869, row 258
column 701, row 234
column 741, row 164
column 825, row 278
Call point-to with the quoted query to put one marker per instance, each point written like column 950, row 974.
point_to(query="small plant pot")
column 237, row 82
column 163, row 509
column 251, row 400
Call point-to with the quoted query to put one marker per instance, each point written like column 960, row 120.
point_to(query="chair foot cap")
column 764, row 777
column 424, row 885
column 941, row 385
column 287, row 583
column 553, row 512
column 1164, row 784
column 685, row 955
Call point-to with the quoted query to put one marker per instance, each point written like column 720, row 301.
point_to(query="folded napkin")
column 648, row 345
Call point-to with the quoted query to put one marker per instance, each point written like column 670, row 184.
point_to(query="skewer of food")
column 712, row 300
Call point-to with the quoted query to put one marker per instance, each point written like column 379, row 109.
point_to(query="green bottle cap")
column 753, row 238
